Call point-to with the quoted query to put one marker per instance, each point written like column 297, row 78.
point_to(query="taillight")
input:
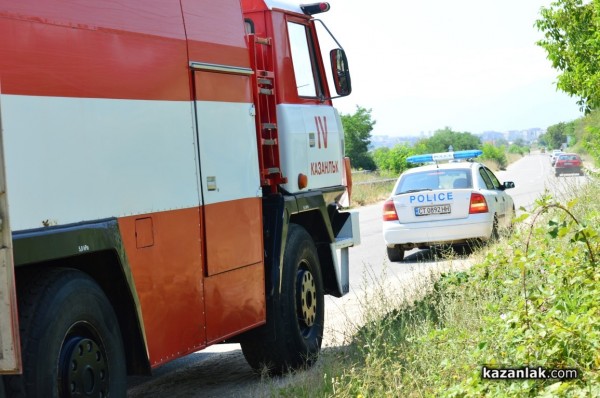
column 389, row 211
column 478, row 204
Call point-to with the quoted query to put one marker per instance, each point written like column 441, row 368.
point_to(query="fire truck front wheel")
column 295, row 315
column 70, row 338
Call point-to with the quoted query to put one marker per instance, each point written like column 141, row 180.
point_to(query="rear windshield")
column 569, row 157
column 434, row 180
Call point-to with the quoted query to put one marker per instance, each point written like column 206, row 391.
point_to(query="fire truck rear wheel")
column 70, row 338
column 292, row 336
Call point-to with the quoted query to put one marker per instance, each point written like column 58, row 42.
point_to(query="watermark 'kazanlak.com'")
column 528, row 373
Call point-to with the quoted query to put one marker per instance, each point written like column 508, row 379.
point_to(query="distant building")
column 492, row 136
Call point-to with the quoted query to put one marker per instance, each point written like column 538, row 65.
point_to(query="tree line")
column 358, row 127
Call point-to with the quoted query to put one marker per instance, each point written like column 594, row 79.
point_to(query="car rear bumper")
column 478, row 226
column 567, row 170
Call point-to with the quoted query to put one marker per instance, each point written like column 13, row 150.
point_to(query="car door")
column 490, row 192
column 504, row 200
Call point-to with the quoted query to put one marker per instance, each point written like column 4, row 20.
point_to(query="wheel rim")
column 83, row 368
column 306, row 299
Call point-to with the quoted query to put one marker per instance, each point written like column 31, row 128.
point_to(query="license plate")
column 568, row 164
column 429, row 210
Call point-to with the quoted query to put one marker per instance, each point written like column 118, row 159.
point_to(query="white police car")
column 445, row 203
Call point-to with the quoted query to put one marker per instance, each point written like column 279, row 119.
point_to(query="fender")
column 95, row 248
column 330, row 229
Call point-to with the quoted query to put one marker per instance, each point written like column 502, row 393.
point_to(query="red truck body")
column 161, row 162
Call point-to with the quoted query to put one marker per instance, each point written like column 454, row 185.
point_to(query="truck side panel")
column 102, row 121
column 84, row 49
column 164, row 251
column 232, row 211
column 76, row 159
column 215, row 32
column 229, row 164
column 91, row 99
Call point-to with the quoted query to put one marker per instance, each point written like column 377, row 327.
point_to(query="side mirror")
column 508, row 184
column 341, row 73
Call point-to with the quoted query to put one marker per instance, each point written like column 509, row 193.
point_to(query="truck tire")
column 293, row 333
column 395, row 254
column 70, row 339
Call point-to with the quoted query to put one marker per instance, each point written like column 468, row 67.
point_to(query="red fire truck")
column 172, row 177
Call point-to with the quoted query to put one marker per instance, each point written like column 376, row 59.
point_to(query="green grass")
column 532, row 299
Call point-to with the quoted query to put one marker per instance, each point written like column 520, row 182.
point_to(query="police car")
column 445, row 203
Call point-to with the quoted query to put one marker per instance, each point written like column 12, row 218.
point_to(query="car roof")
column 443, row 166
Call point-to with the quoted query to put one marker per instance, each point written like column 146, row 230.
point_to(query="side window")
column 493, row 178
column 302, row 61
column 486, row 179
column 249, row 26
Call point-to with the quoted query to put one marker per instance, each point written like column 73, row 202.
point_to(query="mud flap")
column 348, row 236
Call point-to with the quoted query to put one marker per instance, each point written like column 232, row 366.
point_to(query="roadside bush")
column 547, row 313
column 394, row 159
column 518, row 149
column 496, row 154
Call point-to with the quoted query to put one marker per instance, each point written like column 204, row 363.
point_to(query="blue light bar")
column 438, row 157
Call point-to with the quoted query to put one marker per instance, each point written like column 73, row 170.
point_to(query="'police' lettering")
column 432, row 197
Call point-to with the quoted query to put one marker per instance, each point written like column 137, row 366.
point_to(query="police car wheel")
column 395, row 254
column 70, row 338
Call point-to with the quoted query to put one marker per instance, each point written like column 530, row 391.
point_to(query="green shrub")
column 491, row 152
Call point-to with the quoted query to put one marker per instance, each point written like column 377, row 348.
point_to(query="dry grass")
column 371, row 187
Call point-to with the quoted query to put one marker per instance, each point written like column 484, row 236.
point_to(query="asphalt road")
column 221, row 371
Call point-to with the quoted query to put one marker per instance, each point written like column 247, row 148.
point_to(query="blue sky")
column 472, row 65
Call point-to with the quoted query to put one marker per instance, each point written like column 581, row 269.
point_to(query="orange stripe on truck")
column 166, row 253
column 233, row 234
column 165, row 256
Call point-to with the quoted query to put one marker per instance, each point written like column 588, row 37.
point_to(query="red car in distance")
column 567, row 163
